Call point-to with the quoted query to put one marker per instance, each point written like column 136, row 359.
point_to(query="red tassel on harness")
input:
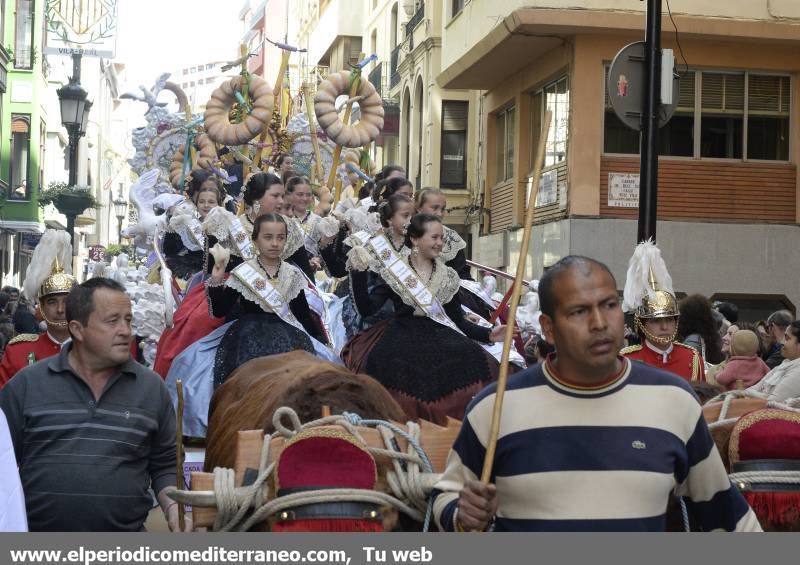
column 330, row 525
column 777, row 511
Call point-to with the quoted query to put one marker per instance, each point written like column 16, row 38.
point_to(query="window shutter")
column 454, row 116
column 723, row 93
column 768, row 95
column 686, row 96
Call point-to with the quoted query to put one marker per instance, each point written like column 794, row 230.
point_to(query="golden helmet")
column 648, row 285
column 58, row 282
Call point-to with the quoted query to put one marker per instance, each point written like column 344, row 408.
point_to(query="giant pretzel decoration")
column 206, row 158
column 369, row 101
column 217, row 117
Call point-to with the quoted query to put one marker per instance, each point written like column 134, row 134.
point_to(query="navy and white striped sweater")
column 605, row 459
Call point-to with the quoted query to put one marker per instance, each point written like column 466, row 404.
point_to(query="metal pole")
column 648, row 172
column 74, row 140
column 119, row 231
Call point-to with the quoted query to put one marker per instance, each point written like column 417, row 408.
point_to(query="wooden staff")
column 278, row 98
column 179, row 454
column 502, row 378
column 317, row 171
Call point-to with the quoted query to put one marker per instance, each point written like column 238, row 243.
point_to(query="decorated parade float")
column 296, row 443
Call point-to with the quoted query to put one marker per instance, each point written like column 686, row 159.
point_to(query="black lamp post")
column 74, row 117
column 121, row 210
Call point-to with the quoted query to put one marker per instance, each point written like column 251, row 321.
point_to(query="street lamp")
column 74, row 117
column 121, row 210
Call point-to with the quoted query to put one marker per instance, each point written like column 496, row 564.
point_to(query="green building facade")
column 23, row 133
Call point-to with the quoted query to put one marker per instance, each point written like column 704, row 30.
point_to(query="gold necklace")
column 419, row 274
column 266, row 272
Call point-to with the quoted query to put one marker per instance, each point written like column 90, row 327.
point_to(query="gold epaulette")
column 630, row 349
column 24, row 338
column 695, row 360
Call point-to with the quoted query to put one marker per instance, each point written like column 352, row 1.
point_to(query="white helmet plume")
column 55, row 244
column 646, row 263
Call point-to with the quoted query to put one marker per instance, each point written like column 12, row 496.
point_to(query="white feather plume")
column 55, row 244
column 646, row 257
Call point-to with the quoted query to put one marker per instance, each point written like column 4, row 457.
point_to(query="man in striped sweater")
column 589, row 441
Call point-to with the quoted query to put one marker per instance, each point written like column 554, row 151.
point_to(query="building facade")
column 728, row 179
column 23, row 127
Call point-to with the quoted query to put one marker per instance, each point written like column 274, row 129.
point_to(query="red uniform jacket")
column 18, row 350
column 682, row 360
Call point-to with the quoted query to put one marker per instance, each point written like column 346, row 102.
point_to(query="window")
column 722, row 115
column 453, row 169
column 553, row 97
column 42, row 147
column 23, row 35
column 20, row 157
column 505, row 143
column 768, row 117
column 209, row 66
column 742, row 115
column 185, row 71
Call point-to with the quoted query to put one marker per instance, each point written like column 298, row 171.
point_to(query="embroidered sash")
column 396, row 267
column 269, row 296
column 192, row 235
column 241, row 239
column 476, row 289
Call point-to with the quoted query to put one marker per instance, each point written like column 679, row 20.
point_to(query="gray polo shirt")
column 86, row 465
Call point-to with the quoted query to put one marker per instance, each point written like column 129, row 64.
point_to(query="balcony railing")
column 375, row 78
column 416, row 19
column 394, row 76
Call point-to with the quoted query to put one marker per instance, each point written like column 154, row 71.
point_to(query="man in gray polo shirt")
column 92, row 429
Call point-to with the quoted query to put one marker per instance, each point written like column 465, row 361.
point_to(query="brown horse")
column 299, row 380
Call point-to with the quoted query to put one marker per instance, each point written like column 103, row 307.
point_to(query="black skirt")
column 253, row 336
column 431, row 370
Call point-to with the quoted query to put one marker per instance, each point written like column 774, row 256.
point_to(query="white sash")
column 192, row 235
column 476, row 289
column 396, row 267
column 241, row 239
column 275, row 302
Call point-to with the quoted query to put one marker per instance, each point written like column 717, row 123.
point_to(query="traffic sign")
column 84, row 51
column 626, row 87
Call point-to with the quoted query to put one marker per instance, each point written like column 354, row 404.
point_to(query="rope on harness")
column 404, row 480
column 743, row 478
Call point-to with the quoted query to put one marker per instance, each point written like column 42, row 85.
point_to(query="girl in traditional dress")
column 264, row 193
column 300, row 198
column 426, row 357
column 434, row 202
column 184, row 242
column 266, row 297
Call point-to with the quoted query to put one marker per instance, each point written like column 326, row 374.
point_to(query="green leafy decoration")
column 57, row 189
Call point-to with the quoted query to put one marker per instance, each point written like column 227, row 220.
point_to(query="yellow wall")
column 478, row 17
column 585, row 69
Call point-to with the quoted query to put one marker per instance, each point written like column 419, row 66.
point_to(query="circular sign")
column 626, row 87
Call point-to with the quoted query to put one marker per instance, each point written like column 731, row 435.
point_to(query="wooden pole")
column 179, row 454
column 317, row 171
column 502, row 378
column 277, row 96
